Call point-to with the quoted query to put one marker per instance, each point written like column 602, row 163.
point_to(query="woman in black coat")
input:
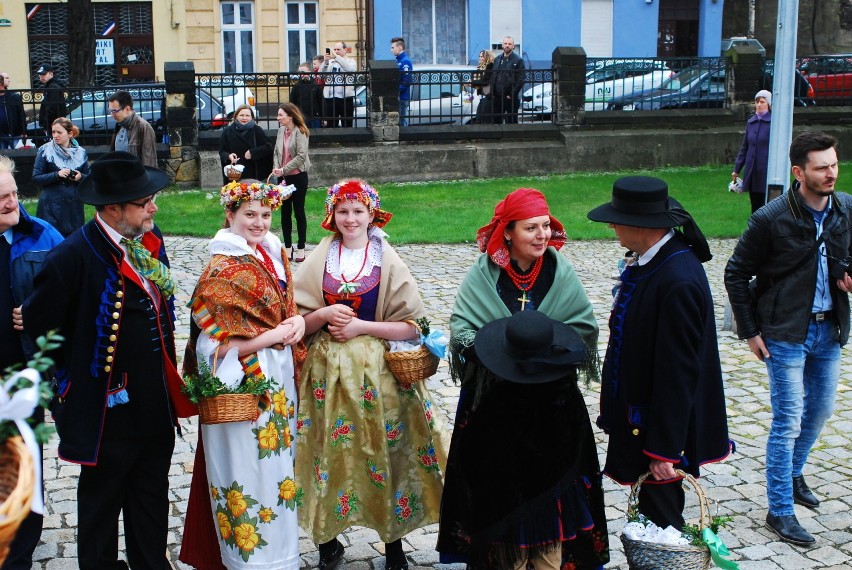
column 244, row 142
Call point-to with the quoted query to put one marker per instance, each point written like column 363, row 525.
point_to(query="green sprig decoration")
column 205, row 385
column 42, row 363
column 423, row 324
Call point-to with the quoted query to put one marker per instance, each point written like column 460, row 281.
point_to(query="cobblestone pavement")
column 736, row 484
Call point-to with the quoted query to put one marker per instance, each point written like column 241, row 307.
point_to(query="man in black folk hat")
column 662, row 399
column 107, row 289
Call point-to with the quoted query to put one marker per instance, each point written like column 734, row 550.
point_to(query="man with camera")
column 798, row 248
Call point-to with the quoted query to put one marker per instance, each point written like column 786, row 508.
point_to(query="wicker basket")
column 643, row 555
column 226, row 408
column 410, row 366
column 17, row 481
column 233, row 174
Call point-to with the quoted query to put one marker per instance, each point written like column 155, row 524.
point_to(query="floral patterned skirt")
column 370, row 450
column 250, row 468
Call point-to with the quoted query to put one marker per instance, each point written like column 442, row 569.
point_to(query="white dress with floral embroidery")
column 250, row 469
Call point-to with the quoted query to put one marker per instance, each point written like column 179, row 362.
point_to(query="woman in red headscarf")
column 523, row 483
column 369, row 447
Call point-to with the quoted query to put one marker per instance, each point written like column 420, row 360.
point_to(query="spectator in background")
column 245, row 142
column 13, row 121
column 754, row 152
column 132, row 134
column 403, row 62
column 507, row 80
column 60, row 164
column 306, row 94
column 482, row 83
column 53, row 103
column 338, row 93
column 291, row 162
column 24, row 243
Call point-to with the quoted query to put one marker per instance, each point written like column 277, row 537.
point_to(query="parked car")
column 440, row 94
column 231, row 95
column 607, row 80
column 90, row 110
column 830, row 76
column 699, row 87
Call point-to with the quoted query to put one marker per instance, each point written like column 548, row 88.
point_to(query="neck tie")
column 152, row 269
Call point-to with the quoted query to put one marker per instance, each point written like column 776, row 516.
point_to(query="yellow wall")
column 170, row 40
column 337, row 22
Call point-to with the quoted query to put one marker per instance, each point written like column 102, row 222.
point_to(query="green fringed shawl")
column 477, row 303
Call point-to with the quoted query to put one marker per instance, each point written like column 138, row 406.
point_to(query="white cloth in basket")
column 669, row 536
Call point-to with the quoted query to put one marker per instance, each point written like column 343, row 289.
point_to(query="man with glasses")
column 24, row 244
column 132, row 134
column 798, row 246
column 13, row 120
column 108, row 290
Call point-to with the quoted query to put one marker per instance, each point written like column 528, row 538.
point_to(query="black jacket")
column 238, row 142
column 15, row 122
column 307, row 96
column 662, row 395
column 53, row 104
column 778, row 236
column 115, row 338
column 507, row 75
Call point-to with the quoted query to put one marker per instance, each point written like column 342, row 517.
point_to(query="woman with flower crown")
column 523, row 481
column 370, row 451
column 244, row 323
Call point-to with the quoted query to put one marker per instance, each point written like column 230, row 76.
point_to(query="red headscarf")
column 521, row 204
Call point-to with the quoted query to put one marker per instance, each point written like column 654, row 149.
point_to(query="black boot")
column 802, row 494
column 331, row 553
column 394, row 556
column 788, row 529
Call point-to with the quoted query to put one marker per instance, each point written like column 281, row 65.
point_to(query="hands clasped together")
column 343, row 324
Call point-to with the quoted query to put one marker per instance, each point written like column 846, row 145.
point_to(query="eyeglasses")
column 144, row 203
column 114, row 111
column 12, row 196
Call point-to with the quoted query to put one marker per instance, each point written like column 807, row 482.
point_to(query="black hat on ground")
column 119, row 177
column 529, row 348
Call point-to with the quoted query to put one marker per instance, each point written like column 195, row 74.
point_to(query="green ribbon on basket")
column 718, row 550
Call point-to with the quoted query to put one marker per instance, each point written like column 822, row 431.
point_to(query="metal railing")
column 830, row 77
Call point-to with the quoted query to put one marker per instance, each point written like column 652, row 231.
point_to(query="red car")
column 830, row 76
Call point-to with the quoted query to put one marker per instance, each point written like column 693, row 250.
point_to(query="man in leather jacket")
column 797, row 246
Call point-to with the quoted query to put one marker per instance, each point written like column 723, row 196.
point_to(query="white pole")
column 781, row 130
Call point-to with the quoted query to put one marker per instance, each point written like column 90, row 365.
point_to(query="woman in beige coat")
column 290, row 161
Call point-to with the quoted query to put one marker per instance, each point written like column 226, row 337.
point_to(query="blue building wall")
column 387, row 22
column 478, row 24
column 634, row 28
column 547, row 25
column 710, row 28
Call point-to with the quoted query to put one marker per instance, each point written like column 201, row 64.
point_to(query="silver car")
column 440, row 94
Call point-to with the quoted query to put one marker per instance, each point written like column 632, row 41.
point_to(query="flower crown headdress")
column 272, row 195
column 359, row 191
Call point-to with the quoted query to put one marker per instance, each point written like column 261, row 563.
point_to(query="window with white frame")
column 302, row 25
column 238, row 37
column 435, row 30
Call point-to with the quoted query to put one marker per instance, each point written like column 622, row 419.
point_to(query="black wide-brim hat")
column 119, row 177
column 529, row 348
column 642, row 202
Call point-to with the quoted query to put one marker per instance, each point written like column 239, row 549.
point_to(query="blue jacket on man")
column 403, row 62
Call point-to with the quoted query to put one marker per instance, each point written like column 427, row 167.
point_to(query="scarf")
column 72, row 157
column 521, row 204
column 241, row 127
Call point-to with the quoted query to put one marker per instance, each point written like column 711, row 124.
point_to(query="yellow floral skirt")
column 370, row 450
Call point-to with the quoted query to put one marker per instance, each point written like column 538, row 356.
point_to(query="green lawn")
column 452, row 211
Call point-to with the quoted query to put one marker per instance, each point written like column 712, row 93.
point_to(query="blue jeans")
column 403, row 112
column 802, row 384
column 8, row 142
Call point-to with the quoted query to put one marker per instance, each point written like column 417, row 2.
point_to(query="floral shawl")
column 237, row 296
